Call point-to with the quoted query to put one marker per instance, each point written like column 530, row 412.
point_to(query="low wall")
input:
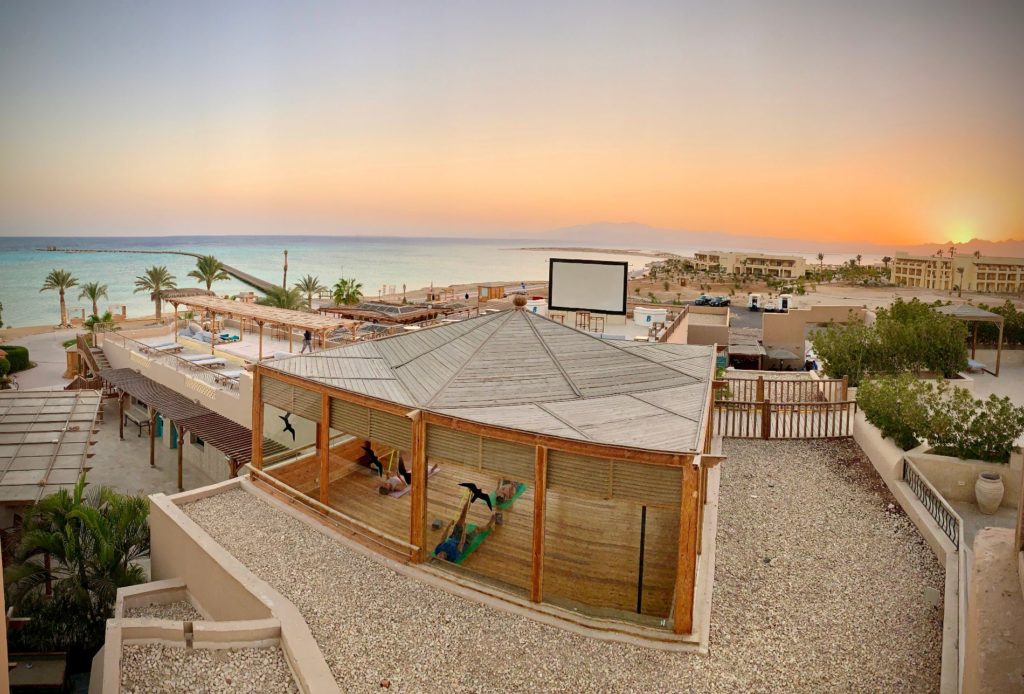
column 1011, row 357
column 954, row 478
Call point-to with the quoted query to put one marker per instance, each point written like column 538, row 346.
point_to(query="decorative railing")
column 783, row 420
column 943, row 514
column 198, row 372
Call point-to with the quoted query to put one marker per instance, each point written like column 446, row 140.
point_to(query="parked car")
column 719, row 301
column 702, row 300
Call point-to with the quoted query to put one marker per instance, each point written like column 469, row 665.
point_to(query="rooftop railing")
column 170, row 359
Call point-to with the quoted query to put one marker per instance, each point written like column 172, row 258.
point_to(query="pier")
column 253, row 281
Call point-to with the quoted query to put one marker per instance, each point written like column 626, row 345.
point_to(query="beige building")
column 735, row 262
column 972, row 273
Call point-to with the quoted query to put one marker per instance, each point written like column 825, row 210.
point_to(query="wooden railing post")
column 846, row 387
column 766, row 419
column 540, row 488
column 760, row 388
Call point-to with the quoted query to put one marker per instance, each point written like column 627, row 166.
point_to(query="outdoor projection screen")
column 587, row 285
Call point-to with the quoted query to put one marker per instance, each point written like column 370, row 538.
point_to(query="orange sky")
column 892, row 125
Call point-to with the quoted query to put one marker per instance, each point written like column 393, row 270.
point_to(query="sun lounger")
column 197, row 357
column 166, row 347
column 210, row 362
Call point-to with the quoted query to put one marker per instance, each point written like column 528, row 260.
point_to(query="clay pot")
column 988, row 491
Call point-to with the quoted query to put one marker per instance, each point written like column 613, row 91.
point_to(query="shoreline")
column 604, row 251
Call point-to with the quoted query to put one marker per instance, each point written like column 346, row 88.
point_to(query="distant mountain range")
column 633, row 234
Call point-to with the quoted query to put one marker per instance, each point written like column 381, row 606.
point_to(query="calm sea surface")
column 375, row 262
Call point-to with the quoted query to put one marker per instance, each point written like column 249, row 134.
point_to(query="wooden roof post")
column 686, row 565
column 289, row 329
column 120, row 415
column 175, row 305
column 260, row 323
column 181, row 447
column 999, row 346
column 152, row 436
column 257, row 420
column 324, row 446
column 418, row 495
column 540, row 489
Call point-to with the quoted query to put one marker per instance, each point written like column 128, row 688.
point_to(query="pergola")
column 315, row 323
column 610, row 441
column 974, row 315
column 227, row 436
column 383, row 313
column 45, row 441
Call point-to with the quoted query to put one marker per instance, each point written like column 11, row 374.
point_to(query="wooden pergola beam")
column 540, row 489
column 686, row 564
column 257, row 420
column 323, row 445
column 418, row 494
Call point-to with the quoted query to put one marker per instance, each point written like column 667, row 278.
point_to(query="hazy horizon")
column 886, row 123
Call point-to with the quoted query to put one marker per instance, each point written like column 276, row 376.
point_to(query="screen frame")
column 581, row 261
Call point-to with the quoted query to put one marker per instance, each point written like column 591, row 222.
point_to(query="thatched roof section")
column 520, row 370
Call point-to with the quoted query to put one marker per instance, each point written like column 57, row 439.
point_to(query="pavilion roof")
column 520, row 370
column 45, row 438
column 969, row 312
column 313, row 322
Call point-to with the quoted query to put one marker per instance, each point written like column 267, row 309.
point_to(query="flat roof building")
column 740, row 263
column 972, row 273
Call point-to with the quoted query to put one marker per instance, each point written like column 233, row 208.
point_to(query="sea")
column 381, row 264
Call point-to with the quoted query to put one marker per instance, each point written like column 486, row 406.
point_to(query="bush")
column 18, row 356
column 5, row 366
column 950, row 419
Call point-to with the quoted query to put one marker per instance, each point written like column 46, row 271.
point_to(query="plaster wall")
column 697, row 333
column 788, row 330
column 954, row 478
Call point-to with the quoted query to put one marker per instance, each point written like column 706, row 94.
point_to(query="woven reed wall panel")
column 287, row 397
column 392, row 429
column 456, row 446
column 579, row 473
column 349, row 418
column 646, row 484
column 513, row 460
column 276, row 393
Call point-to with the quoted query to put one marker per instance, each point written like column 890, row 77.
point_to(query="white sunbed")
column 167, row 347
column 210, row 362
column 197, row 357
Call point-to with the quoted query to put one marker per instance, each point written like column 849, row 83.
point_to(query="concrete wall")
column 696, row 333
column 233, row 404
column 954, row 478
column 788, row 330
column 1011, row 357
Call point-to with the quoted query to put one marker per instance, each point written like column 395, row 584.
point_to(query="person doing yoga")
column 369, row 459
column 403, row 479
column 456, row 537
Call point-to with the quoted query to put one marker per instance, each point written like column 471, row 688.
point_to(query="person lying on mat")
column 506, row 490
column 456, row 537
column 403, row 479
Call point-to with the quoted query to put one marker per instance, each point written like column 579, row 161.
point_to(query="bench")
column 137, row 415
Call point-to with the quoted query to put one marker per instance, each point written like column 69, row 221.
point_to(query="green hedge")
column 18, row 356
column 950, row 419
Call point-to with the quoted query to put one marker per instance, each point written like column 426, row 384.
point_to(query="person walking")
column 307, row 342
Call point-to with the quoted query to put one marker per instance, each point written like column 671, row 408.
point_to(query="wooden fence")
column 783, row 420
column 791, row 390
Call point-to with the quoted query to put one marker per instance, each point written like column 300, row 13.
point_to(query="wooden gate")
column 745, row 409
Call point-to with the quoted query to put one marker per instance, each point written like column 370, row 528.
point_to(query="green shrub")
column 18, row 356
column 5, row 366
column 950, row 419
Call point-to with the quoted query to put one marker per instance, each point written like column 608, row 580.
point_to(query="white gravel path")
column 818, row 588
column 180, row 610
column 157, row 669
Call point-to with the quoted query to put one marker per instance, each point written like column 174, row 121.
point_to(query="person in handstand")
column 456, row 537
column 369, row 459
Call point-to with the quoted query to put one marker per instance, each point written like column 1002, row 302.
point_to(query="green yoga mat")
column 472, row 544
column 520, row 488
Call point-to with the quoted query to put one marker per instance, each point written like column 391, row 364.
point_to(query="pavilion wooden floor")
column 592, row 546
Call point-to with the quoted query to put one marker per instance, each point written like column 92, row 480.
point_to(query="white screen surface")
column 587, row 285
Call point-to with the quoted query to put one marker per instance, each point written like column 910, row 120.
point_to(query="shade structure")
column 974, row 315
column 314, row 322
column 45, row 438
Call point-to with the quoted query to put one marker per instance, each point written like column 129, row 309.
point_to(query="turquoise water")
column 373, row 261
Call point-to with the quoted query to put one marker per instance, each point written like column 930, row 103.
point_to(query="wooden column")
column 686, row 565
column 181, row 447
column 175, row 323
column 999, row 347
column 120, row 415
column 846, row 388
column 418, row 495
column 213, row 331
column 324, row 446
column 152, row 436
column 257, row 420
column 974, row 341
column 540, row 486
column 260, row 358
column 289, row 328
column 760, row 388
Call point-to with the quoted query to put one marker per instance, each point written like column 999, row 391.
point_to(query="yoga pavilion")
column 512, row 455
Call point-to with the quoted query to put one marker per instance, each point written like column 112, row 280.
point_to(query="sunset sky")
column 890, row 121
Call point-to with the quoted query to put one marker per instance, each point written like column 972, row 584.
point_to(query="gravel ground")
column 162, row 669
column 818, row 587
column 182, row 610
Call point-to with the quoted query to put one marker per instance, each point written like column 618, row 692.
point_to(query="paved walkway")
column 48, row 354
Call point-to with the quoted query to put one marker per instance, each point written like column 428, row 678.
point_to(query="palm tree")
column 886, row 260
column 858, row 258
column 821, row 261
column 279, row 297
column 61, row 280
column 93, row 291
column 977, row 254
column 960, row 285
column 155, row 280
column 309, row 285
column 952, row 250
column 347, row 291
column 209, row 270
column 93, row 542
